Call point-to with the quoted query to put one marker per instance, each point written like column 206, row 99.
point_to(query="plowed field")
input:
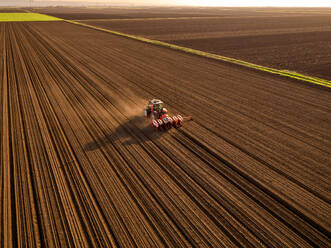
column 295, row 42
column 173, row 12
column 81, row 167
column 124, row 13
column 12, row 10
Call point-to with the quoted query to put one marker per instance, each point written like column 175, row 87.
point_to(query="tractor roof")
column 156, row 101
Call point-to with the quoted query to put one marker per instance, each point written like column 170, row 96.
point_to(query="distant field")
column 297, row 40
column 23, row 17
column 12, row 10
column 166, row 12
column 121, row 13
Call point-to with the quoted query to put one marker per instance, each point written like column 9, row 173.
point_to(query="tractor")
column 159, row 118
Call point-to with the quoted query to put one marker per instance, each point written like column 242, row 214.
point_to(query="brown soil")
column 123, row 13
column 157, row 12
column 306, row 52
column 11, row 10
column 81, row 167
column 294, row 42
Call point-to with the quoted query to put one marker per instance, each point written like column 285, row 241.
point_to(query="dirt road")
column 80, row 166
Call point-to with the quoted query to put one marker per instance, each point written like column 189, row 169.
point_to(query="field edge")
column 285, row 73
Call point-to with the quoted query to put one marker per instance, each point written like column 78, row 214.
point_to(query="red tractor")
column 160, row 120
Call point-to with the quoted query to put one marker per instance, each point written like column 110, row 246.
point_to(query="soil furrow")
column 80, row 166
column 6, row 206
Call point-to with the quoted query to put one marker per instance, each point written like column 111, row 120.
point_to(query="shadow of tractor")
column 135, row 130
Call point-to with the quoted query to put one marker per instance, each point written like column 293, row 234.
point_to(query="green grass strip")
column 26, row 17
column 285, row 73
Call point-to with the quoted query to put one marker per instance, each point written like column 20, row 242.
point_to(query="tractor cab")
column 157, row 105
column 159, row 118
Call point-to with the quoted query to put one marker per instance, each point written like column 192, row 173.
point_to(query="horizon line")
column 35, row 4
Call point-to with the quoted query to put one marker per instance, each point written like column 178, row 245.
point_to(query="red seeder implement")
column 159, row 119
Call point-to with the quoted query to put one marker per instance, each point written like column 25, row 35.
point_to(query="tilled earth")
column 295, row 42
column 12, row 10
column 86, row 13
column 81, row 167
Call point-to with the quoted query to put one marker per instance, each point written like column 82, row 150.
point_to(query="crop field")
column 289, row 40
column 25, row 17
column 81, row 167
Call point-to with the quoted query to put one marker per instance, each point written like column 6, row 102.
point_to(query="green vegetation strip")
column 285, row 73
column 26, row 17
